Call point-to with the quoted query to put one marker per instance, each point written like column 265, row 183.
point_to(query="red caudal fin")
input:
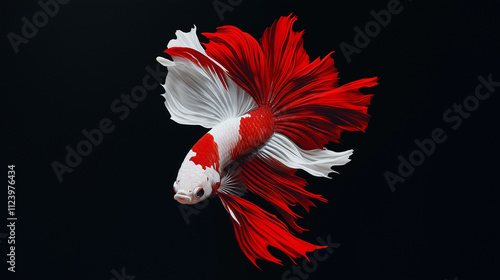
column 312, row 120
column 240, row 54
column 309, row 106
column 257, row 229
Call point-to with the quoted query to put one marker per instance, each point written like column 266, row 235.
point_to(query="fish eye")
column 200, row 193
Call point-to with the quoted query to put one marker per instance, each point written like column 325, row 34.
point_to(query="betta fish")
column 270, row 111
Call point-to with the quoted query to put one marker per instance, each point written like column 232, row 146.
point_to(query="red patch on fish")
column 255, row 130
column 207, row 154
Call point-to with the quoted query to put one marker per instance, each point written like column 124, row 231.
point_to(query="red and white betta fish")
column 270, row 111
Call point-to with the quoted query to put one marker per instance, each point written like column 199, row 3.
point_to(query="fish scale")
column 235, row 137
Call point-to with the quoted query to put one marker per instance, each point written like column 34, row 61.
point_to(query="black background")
column 115, row 210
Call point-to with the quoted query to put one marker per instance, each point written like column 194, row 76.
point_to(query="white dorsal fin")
column 198, row 91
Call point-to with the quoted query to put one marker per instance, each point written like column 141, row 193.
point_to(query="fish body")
column 223, row 144
column 270, row 111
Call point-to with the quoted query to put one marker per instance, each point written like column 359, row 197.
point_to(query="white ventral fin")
column 230, row 211
column 232, row 184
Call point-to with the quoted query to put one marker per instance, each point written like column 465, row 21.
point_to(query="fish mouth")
column 182, row 197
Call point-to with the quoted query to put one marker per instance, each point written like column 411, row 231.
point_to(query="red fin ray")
column 285, row 55
column 314, row 120
column 278, row 185
column 257, row 229
column 240, row 54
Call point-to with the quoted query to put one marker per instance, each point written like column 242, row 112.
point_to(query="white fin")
column 187, row 40
column 317, row 162
column 231, row 183
column 165, row 62
column 196, row 95
column 228, row 209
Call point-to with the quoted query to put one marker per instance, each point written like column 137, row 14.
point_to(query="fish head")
column 195, row 183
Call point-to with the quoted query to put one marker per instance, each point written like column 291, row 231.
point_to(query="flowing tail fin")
column 310, row 109
column 309, row 106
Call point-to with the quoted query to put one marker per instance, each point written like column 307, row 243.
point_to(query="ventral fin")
column 232, row 182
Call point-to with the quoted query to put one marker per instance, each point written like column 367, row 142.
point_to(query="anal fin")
column 257, row 229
